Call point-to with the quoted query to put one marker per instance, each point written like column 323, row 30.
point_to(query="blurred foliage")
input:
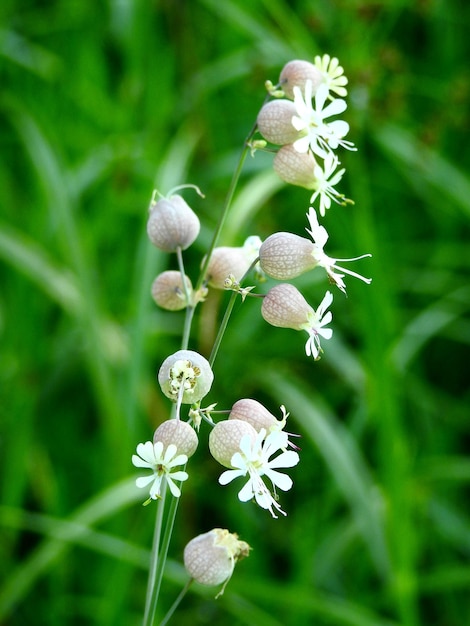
column 102, row 101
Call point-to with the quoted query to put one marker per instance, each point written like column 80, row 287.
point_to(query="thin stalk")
column 176, row 603
column 190, row 307
column 228, row 202
column 154, row 559
column 160, row 562
column 160, row 550
column 222, row 328
column 225, row 319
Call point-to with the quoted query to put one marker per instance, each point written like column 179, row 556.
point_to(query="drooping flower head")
column 295, row 168
column 179, row 433
column 296, row 73
column 254, row 460
column 161, row 460
column 210, row 558
column 284, row 256
column 256, row 414
column 172, row 224
column 285, row 307
column 275, row 122
column 319, row 135
column 319, row 236
column 253, row 412
column 225, row 437
column 169, row 292
column 185, row 374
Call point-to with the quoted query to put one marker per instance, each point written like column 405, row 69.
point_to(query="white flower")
column 320, row 136
column 325, row 180
column 319, row 236
column 153, row 456
column 333, row 74
column 253, row 459
column 315, row 327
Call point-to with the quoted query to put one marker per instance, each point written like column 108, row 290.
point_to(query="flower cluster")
column 245, row 443
column 298, row 122
column 301, row 122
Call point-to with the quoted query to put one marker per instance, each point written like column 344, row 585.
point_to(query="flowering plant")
column 252, row 444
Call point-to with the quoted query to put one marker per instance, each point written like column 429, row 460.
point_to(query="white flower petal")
column 175, row 490
column 327, row 333
column 302, row 145
column 282, row 481
column 169, row 453
column 138, row 462
column 226, row 477
column 143, row 481
column 146, row 451
column 335, row 108
column 238, row 461
column 181, row 459
column 181, row 475
column 286, row 459
column 311, row 347
column 247, row 492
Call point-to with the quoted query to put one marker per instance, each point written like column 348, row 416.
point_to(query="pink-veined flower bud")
column 253, row 412
column 226, row 261
column 275, row 122
column 172, row 224
column 168, row 290
column 296, row 74
column 210, row 558
column 285, row 307
column 185, row 374
column 225, row 437
column 284, row 256
column 295, row 168
column 179, row 433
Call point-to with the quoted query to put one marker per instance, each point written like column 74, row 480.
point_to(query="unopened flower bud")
column 172, row 224
column 275, row 122
column 179, row 433
column 284, row 256
column 186, row 374
column 225, row 438
column 253, row 412
column 295, row 168
column 285, row 307
column 227, row 261
column 210, row 558
column 296, row 74
column 168, row 290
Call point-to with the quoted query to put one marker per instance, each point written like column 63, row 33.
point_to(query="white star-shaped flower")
column 319, row 136
column 161, row 463
column 325, row 180
column 319, row 236
column 317, row 320
column 333, row 74
column 254, row 460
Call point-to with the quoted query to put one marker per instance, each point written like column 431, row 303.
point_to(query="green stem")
column 150, row 601
column 160, row 550
column 160, row 561
column 222, row 328
column 174, row 606
column 190, row 307
column 225, row 319
column 228, row 202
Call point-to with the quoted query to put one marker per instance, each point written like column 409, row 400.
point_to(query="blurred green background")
column 99, row 103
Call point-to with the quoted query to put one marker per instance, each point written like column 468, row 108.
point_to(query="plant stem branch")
column 175, row 604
